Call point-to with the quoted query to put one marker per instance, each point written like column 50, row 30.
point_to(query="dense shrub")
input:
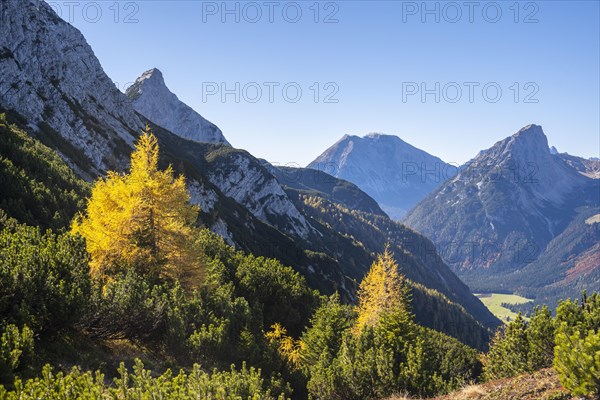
column 522, row 347
column 16, row 350
column 279, row 291
column 570, row 342
column 44, row 280
column 577, row 351
column 129, row 307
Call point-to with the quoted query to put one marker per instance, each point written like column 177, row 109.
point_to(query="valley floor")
column 495, row 303
column 541, row 385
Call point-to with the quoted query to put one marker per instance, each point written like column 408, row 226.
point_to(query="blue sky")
column 373, row 57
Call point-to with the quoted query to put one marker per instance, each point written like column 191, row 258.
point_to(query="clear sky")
column 374, row 58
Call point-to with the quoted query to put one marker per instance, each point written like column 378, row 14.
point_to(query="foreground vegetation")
column 134, row 267
column 570, row 342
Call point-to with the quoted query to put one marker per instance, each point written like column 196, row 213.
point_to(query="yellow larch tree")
column 382, row 290
column 289, row 348
column 142, row 220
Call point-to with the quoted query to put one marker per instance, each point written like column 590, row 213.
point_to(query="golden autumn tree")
column 381, row 291
column 142, row 220
column 288, row 347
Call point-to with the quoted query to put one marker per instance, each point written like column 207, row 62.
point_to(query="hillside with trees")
column 134, row 299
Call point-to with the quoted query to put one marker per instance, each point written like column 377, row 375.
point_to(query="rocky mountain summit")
column 152, row 98
column 390, row 170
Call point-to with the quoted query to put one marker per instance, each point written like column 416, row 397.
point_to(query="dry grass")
column 541, row 385
column 473, row 392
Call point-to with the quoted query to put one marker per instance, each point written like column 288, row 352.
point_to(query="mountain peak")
column 153, row 73
column 531, row 128
column 151, row 80
column 531, row 132
column 152, row 98
column 395, row 173
column 386, row 139
column 532, row 135
column 529, row 144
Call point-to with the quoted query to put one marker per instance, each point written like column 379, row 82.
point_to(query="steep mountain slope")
column 503, row 209
column 51, row 76
column 38, row 188
column 52, row 79
column 588, row 167
column 569, row 264
column 319, row 183
column 151, row 98
column 416, row 254
column 56, row 89
column 390, row 170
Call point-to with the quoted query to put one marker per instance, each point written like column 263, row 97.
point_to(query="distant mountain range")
column 518, row 217
column 390, row 170
column 54, row 88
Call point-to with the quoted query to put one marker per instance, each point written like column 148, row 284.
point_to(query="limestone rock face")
column 51, row 77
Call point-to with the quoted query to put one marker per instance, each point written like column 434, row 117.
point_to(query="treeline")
column 569, row 342
column 38, row 188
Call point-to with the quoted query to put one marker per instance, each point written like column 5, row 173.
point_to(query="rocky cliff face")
column 241, row 177
column 51, row 76
column 390, row 170
column 500, row 212
column 151, row 98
